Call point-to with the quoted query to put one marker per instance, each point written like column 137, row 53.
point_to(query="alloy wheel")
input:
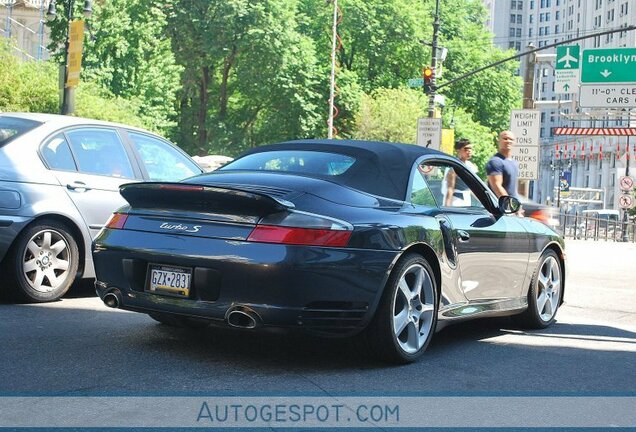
column 548, row 288
column 46, row 259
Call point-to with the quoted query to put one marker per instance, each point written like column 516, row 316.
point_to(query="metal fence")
column 585, row 227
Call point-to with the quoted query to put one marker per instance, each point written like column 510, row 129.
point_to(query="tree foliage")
column 235, row 74
column 250, row 77
column 489, row 95
column 390, row 115
column 33, row 87
column 481, row 137
column 30, row 86
column 126, row 52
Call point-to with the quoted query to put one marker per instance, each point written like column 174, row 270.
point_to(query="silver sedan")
column 59, row 183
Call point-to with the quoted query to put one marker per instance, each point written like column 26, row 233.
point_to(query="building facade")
column 594, row 162
column 23, row 22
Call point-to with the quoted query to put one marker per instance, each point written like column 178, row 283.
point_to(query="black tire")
column 42, row 264
column 546, row 280
column 420, row 314
column 177, row 320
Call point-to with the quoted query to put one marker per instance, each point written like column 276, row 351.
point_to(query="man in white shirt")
column 457, row 193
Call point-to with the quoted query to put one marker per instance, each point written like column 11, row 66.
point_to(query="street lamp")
column 560, row 165
column 87, row 11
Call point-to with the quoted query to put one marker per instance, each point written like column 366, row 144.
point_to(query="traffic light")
column 429, row 78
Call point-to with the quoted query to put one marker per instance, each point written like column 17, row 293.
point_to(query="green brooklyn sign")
column 608, row 65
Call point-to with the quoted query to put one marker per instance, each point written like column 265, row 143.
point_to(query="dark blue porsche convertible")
column 333, row 237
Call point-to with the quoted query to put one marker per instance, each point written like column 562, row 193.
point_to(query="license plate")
column 171, row 281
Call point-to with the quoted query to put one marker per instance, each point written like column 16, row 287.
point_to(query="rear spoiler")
column 201, row 199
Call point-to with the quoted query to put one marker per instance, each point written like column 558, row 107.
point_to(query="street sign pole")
column 625, row 237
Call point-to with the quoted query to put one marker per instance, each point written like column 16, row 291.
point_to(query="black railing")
column 582, row 226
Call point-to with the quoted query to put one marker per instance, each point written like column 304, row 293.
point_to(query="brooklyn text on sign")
column 594, row 131
column 611, row 58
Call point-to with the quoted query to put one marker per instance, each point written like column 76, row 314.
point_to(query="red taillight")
column 540, row 216
column 299, row 236
column 117, row 221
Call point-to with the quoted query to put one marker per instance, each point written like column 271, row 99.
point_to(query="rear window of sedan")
column 304, row 162
column 13, row 127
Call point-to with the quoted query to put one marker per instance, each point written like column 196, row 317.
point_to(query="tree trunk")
column 203, row 107
column 223, row 96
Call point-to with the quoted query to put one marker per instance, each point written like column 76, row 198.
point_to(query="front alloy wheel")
column 548, row 289
column 544, row 295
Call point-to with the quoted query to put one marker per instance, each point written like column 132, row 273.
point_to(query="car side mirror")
column 508, row 204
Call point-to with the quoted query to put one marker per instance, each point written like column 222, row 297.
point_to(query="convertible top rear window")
column 13, row 127
column 304, row 162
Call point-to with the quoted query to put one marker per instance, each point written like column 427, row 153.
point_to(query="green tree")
column 30, row 87
column 126, row 52
column 33, row 87
column 489, row 95
column 390, row 115
column 384, row 44
column 481, row 137
column 249, row 75
column 380, row 39
column 380, row 48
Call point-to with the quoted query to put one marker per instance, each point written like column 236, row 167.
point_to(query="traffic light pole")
column 514, row 57
column 431, row 100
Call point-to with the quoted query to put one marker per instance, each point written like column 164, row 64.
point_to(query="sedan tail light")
column 298, row 228
column 117, row 221
column 540, row 216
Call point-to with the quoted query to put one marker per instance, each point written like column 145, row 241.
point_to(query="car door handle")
column 463, row 236
column 78, row 186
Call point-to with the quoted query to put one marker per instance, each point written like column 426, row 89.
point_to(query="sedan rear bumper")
column 10, row 228
column 319, row 289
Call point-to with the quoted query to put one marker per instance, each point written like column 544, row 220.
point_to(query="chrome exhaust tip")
column 111, row 300
column 243, row 318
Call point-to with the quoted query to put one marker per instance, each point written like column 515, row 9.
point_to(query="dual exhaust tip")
column 238, row 316
column 112, row 299
column 242, row 317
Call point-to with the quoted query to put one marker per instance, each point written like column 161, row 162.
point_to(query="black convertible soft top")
column 381, row 168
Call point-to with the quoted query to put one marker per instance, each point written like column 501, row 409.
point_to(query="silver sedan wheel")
column 413, row 308
column 548, row 288
column 46, row 261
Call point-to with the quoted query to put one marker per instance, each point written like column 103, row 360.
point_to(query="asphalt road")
column 78, row 346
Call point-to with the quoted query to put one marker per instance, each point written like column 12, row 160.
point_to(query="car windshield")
column 13, row 127
column 305, row 162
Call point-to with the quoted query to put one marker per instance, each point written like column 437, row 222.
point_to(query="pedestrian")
column 457, row 192
column 502, row 171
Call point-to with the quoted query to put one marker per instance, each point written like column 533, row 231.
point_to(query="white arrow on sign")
column 606, row 73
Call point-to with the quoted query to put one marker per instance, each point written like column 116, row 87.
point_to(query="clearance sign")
column 75, row 46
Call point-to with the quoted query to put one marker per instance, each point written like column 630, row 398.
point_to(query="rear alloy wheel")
column 177, row 320
column 544, row 295
column 44, row 262
column 407, row 314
